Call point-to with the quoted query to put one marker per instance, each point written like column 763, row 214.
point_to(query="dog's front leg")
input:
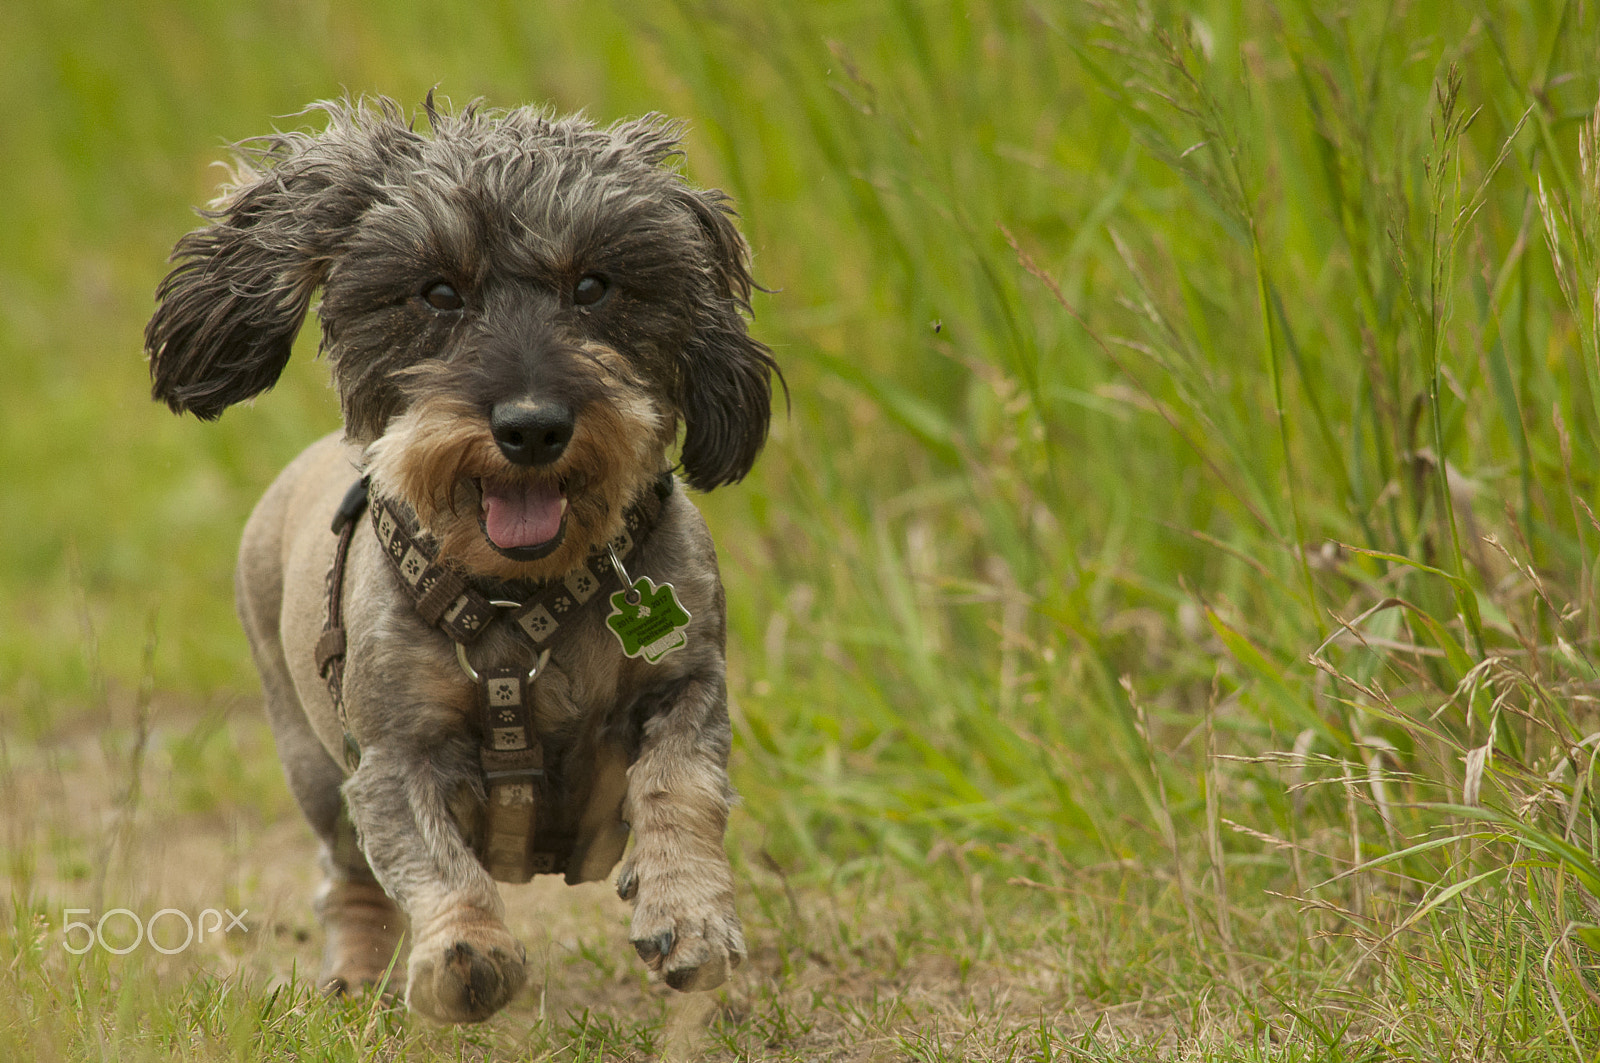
column 677, row 876
column 465, row 965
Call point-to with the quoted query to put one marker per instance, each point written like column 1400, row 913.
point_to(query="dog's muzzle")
column 527, row 520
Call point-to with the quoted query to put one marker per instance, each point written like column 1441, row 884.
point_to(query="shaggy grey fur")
column 459, row 271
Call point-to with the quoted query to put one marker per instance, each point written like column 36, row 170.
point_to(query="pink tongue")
column 521, row 515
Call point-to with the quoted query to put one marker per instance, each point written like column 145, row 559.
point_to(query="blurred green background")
column 1133, row 350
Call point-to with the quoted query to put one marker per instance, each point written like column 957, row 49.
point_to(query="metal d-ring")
column 472, row 673
column 466, row 666
column 629, row 592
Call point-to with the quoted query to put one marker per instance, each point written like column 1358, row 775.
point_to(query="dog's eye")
column 442, row 296
column 590, row 289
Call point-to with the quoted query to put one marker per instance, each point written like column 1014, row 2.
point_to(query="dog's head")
column 518, row 310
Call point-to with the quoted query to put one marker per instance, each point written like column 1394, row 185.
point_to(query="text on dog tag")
column 652, row 625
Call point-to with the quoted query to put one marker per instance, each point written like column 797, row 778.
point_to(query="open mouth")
column 523, row 521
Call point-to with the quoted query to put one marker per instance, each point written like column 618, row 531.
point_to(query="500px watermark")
column 210, row 921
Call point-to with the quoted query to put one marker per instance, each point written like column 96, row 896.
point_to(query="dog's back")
column 284, row 554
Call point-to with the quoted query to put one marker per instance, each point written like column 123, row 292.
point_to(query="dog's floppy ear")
column 228, row 312
column 726, row 397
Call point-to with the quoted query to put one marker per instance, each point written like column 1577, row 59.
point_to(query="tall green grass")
column 1217, row 383
column 1189, row 469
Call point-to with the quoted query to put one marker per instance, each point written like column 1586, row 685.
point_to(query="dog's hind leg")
column 362, row 926
column 361, row 923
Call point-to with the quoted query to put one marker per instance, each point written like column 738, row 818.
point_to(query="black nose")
column 531, row 433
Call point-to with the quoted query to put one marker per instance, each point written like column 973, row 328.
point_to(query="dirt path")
column 190, row 812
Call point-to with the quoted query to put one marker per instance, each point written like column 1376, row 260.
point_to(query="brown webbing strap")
column 462, row 615
column 513, row 773
column 552, row 607
column 445, row 600
column 331, row 646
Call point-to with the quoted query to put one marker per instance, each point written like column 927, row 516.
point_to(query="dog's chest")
column 562, row 707
column 575, row 686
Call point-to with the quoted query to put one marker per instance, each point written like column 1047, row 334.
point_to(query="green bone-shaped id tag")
column 653, row 626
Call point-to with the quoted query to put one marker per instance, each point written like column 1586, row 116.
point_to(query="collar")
column 463, row 607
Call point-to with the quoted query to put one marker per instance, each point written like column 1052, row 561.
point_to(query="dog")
column 520, row 312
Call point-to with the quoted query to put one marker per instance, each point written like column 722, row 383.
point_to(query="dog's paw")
column 685, row 930
column 465, row 973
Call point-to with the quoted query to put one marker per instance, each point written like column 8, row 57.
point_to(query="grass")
column 1163, row 626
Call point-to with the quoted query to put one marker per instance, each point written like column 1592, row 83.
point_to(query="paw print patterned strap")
column 446, row 600
column 513, row 775
column 441, row 595
column 542, row 617
column 522, row 834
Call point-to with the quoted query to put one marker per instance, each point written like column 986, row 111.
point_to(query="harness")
column 513, row 760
